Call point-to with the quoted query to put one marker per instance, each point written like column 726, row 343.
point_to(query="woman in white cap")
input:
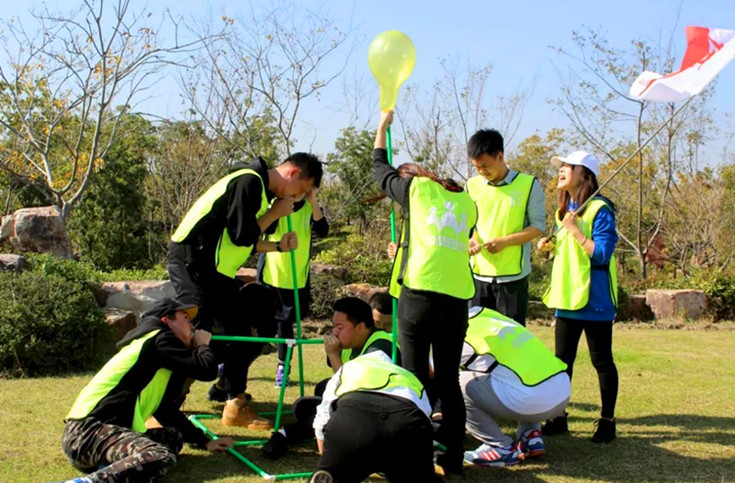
column 583, row 288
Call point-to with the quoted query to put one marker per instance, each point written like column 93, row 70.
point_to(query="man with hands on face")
column 105, row 431
column 215, row 238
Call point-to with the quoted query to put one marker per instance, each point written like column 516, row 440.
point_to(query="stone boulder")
column 13, row 263
column 40, row 230
column 637, row 308
column 322, row 268
column 689, row 304
column 121, row 322
column 362, row 290
column 247, row 275
column 136, row 296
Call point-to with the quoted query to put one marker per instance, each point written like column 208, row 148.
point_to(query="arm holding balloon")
column 386, row 175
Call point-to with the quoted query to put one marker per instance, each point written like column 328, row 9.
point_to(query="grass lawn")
column 675, row 418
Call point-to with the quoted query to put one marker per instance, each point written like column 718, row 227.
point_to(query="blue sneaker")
column 492, row 455
column 279, row 376
column 531, row 444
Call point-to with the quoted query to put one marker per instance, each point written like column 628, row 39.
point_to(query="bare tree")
column 64, row 85
column 264, row 67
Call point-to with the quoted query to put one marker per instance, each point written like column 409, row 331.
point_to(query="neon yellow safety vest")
column 501, row 212
column 512, row 346
column 346, row 354
column 572, row 270
column 277, row 269
column 110, row 376
column 228, row 256
column 366, row 374
column 439, row 224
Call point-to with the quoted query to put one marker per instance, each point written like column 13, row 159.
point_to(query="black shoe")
column 275, row 447
column 447, row 467
column 217, row 394
column 558, row 425
column 605, row 431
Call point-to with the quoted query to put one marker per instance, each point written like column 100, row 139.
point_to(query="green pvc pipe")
column 297, row 305
column 394, row 302
column 272, row 340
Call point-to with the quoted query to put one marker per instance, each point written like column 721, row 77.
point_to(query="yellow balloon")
column 391, row 57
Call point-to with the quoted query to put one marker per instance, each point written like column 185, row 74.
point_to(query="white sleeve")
column 324, row 410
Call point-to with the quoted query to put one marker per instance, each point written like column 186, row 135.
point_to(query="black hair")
column 485, row 141
column 382, row 302
column 357, row 310
column 309, row 164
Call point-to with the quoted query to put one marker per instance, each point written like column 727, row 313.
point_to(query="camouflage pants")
column 118, row 454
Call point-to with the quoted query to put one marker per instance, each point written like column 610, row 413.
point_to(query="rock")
column 13, row 263
column 689, row 304
column 247, row 275
column 637, row 309
column 136, row 296
column 362, row 290
column 333, row 270
column 121, row 322
column 40, row 230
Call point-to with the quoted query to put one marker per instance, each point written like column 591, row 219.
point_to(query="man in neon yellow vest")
column 511, row 213
column 508, row 373
column 354, row 334
column 274, row 269
column 105, row 431
column 378, row 416
column 216, row 236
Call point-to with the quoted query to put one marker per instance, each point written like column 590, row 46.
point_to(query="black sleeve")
column 388, row 179
column 320, row 227
column 199, row 363
column 169, row 414
column 243, row 204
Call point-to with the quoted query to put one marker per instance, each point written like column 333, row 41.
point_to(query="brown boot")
column 237, row 412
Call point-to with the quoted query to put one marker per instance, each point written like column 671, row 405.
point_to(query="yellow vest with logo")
column 110, row 376
column 513, row 346
column 572, row 270
column 365, row 374
column 228, row 256
column 501, row 212
column 376, row 335
column 277, row 269
column 439, row 224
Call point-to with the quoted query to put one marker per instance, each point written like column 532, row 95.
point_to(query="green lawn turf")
column 675, row 419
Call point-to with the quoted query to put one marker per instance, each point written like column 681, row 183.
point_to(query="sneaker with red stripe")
column 531, row 444
column 493, row 455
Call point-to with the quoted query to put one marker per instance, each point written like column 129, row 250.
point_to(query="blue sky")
column 512, row 35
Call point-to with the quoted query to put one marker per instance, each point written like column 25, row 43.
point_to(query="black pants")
column 286, row 315
column 510, row 298
column 370, row 432
column 599, row 342
column 428, row 320
column 221, row 311
column 114, row 453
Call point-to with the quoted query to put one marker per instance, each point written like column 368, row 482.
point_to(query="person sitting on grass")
column 382, row 305
column 105, row 432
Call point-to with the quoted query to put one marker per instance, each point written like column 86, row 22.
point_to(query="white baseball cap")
column 581, row 158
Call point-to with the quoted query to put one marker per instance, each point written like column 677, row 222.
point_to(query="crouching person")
column 508, row 373
column 105, row 431
column 374, row 417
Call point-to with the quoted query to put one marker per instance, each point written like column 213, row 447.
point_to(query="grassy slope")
column 675, row 419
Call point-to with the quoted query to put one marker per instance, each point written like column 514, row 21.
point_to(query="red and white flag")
column 708, row 52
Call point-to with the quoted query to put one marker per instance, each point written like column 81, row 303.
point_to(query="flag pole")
column 630, row 158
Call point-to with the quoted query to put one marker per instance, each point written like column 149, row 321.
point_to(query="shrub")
column 363, row 256
column 721, row 294
column 49, row 321
column 325, row 290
